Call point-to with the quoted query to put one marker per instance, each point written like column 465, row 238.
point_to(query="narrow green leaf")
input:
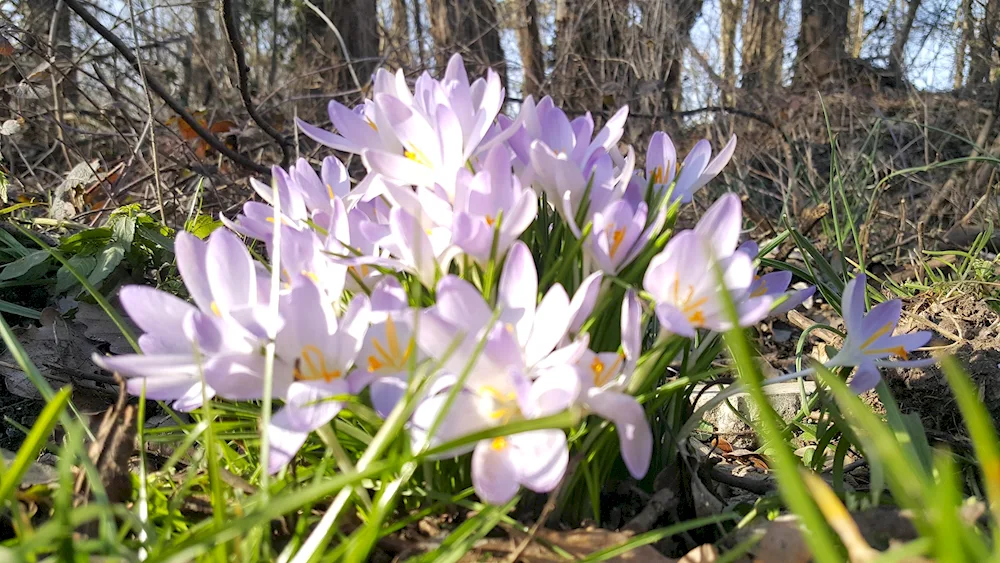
column 11, row 477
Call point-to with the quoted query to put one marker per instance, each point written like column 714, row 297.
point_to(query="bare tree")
column 965, row 38
column 732, row 13
column 529, row 42
column 763, row 33
column 981, row 49
column 357, row 23
column 821, row 39
column 857, row 31
column 469, row 27
column 902, row 36
column 198, row 87
column 399, row 39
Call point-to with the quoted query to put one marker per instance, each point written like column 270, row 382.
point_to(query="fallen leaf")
column 37, row 474
column 62, row 355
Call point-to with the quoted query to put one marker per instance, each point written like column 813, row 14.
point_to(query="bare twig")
column 232, row 25
column 340, row 40
column 149, row 107
column 662, row 502
column 160, row 91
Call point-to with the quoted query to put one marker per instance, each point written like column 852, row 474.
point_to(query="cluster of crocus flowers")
column 433, row 280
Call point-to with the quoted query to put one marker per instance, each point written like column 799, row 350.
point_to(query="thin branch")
column 149, row 106
column 231, row 19
column 160, row 91
column 340, row 39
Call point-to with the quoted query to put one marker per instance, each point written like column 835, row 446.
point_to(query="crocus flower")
column 775, row 285
column 584, row 300
column 389, row 346
column 870, row 340
column 534, row 330
column 182, row 342
column 603, row 378
column 316, row 351
column 536, row 459
column 491, row 204
column 661, row 163
column 620, row 233
column 683, row 279
column 302, row 195
column 699, row 168
column 424, row 251
column 363, row 127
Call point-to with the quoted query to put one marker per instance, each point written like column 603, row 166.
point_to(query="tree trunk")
column 965, row 38
column 821, row 39
column 529, row 42
column 469, row 27
column 677, row 38
column 732, row 13
column 763, row 34
column 199, row 89
column 357, row 22
column 902, row 36
column 981, row 51
column 399, row 42
column 857, row 28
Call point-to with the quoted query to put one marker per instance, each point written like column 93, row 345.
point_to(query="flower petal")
column 494, row 475
column 634, row 434
column 541, row 457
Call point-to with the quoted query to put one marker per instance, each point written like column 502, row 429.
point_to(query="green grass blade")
column 11, row 476
column 983, row 435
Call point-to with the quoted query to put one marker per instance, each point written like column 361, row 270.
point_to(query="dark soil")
column 925, row 390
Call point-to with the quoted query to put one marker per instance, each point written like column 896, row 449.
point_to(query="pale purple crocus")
column 661, row 164
column 389, row 347
column 775, row 285
column 870, row 340
column 425, row 251
column 316, row 351
column 534, row 329
column 583, row 302
column 699, row 168
column 603, row 379
column 182, row 342
column 491, row 205
column 363, row 127
column 302, row 195
column 536, row 459
column 683, row 279
column 620, row 233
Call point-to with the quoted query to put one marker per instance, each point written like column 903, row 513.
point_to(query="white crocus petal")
column 494, row 473
column 541, row 458
column 550, row 325
column 629, row 418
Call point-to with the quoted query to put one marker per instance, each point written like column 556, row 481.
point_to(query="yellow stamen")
column 602, row 375
column 416, row 155
column 490, row 220
column 898, row 351
column 329, row 191
column 372, row 124
column 616, row 240
column 498, row 443
column 597, row 366
column 760, row 290
column 311, row 275
column 315, row 365
column 878, row 334
column 215, row 309
column 393, row 357
column 658, row 175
